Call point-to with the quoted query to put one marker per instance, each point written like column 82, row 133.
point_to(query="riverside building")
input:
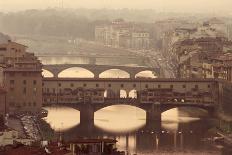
column 21, row 77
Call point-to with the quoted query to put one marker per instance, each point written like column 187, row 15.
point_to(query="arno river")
column 178, row 133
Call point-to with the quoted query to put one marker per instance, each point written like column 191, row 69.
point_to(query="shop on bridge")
column 169, row 95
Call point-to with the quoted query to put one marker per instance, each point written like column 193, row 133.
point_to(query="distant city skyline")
column 205, row 6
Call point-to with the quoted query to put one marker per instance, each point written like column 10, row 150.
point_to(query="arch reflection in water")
column 114, row 73
column 145, row 74
column 62, row 118
column 76, row 72
column 120, row 118
column 47, row 73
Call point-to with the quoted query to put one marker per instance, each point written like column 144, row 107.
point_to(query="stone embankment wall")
column 226, row 93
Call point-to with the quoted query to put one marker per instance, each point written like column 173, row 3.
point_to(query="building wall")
column 12, row 49
column 226, row 97
column 24, row 91
column 22, row 78
column 3, row 104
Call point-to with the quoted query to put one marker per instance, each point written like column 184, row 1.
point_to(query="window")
column 134, row 85
column 84, row 84
column 34, row 104
column 171, row 86
column 42, row 84
column 24, row 74
column 122, row 85
column 54, row 90
column 196, row 86
column 146, row 86
column 209, row 86
column 29, row 104
column 11, row 89
column 159, row 86
column 109, row 85
column 34, row 82
column 184, row 86
column 24, row 82
column 3, row 49
column 71, row 85
column 34, row 91
column 97, row 85
column 12, row 74
column 11, row 81
column 59, row 84
column 24, row 90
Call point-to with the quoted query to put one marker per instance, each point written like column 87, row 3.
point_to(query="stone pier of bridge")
column 153, row 115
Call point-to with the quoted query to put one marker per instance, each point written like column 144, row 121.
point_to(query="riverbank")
column 47, row 133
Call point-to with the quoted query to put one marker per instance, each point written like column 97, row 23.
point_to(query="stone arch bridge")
column 155, row 95
column 98, row 69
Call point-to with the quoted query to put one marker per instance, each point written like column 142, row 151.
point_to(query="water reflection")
column 127, row 125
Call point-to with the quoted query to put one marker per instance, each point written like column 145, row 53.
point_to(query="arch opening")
column 114, row 73
column 76, row 72
column 122, row 93
column 109, row 94
column 120, row 118
column 47, row 73
column 145, row 74
column 133, row 94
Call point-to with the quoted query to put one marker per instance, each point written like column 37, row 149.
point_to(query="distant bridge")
column 98, row 69
column 94, row 59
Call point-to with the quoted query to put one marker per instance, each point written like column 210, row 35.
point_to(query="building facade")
column 123, row 34
column 22, row 78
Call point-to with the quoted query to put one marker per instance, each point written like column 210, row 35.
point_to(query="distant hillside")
column 77, row 23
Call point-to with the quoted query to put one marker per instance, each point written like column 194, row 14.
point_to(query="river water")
column 178, row 133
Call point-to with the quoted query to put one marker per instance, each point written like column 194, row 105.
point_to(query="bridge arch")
column 120, row 104
column 123, row 118
column 204, row 109
column 76, row 72
column 145, row 74
column 46, row 73
column 114, row 73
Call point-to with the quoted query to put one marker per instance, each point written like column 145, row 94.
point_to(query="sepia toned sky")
column 160, row 5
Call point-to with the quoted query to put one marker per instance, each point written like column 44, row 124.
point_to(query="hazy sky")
column 161, row 5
